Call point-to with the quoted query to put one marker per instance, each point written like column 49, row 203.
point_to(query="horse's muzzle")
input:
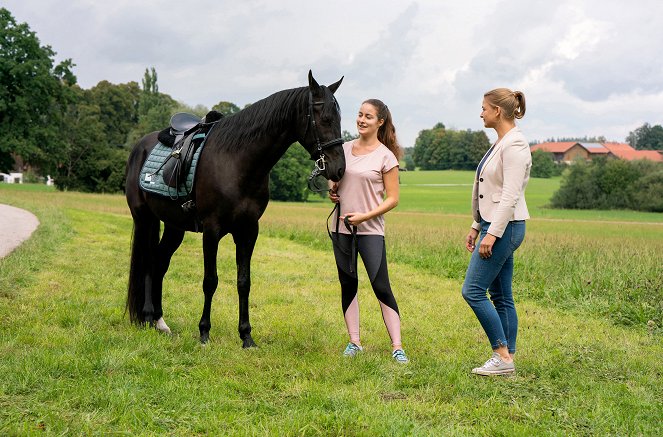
column 337, row 175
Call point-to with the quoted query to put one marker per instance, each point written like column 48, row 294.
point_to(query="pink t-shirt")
column 362, row 188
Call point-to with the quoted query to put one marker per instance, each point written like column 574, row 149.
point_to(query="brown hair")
column 511, row 102
column 386, row 132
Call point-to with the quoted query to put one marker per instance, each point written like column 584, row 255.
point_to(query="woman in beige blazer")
column 499, row 211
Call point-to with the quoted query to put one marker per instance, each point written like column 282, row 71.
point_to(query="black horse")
column 231, row 193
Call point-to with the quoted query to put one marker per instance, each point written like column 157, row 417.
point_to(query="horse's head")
column 322, row 133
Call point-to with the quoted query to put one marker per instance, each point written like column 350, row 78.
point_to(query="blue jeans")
column 494, row 275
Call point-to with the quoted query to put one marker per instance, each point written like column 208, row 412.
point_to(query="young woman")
column 366, row 192
column 499, row 211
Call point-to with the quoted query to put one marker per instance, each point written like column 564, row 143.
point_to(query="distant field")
column 449, row 192
column 588, row 286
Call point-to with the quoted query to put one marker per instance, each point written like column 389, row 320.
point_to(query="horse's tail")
column 145, row 237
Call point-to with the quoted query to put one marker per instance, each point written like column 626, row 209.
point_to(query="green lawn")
column 589, row 293
column 449, row 192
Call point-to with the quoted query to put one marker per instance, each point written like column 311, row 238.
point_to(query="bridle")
column 318, row 156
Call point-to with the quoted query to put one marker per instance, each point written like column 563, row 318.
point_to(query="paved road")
column 16, row 226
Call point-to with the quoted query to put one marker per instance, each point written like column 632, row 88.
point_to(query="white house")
column 11, row 178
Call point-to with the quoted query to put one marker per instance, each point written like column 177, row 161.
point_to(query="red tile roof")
column 557, row 147
column 621, row 150
column 625, row 151
column 565, row 146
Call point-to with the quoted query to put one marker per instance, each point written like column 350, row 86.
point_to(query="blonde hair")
column 512, row 103
column 386, row 132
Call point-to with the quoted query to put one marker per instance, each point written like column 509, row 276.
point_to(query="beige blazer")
column 498, row 195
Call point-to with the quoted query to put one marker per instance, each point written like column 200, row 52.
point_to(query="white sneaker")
column 495, row 366
column 352, row 349
column 399, row 356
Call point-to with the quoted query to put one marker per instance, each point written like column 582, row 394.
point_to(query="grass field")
column 589, row 290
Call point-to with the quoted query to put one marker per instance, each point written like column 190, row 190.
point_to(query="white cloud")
column 587, row 67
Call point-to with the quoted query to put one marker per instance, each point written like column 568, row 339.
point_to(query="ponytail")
column 511, row 102
column 386, row 132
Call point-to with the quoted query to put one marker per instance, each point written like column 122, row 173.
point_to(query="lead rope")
column 353, row 231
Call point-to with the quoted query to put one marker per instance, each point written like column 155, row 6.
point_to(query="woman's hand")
column 486, row 246
column 333, row 195
column 471, row 239
column 355, row 218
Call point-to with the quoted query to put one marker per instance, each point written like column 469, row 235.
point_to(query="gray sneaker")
column 495, row 366
column 352, row 349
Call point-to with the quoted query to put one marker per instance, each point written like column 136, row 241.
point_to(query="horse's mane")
column 267, row 116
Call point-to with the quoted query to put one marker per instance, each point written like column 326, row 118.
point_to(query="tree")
column 83, row 137
column 646, row 137
column 226, row 108
column 347, row 136
column 32, row 96
column 118, row 109
column 647, row 191
column 585, row 139
column 409, row 160
column 423, row 147
column 543, row 165
column 288, row 178
column 154, row 108
column 441, row 149
column 93, row 156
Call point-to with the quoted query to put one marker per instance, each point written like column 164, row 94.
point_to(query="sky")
column 586, row 67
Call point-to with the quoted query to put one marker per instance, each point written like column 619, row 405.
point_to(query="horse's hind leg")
column 170, row 241
column 152, row 230
column 211, row 239
column 245, row 242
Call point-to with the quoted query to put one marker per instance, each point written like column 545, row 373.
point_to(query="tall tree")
column 32, row 96
column 646, row 137
column 154, row 108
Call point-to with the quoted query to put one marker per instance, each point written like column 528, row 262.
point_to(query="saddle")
column 184, row 135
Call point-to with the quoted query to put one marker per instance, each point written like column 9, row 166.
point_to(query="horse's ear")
column 312, row 84
column 333, row 87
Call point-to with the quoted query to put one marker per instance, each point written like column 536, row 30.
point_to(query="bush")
column 543, row 165
column 648, row 192
column 611, row 184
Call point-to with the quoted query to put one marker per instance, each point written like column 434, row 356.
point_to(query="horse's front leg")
column 211, row 239
column 245, row 242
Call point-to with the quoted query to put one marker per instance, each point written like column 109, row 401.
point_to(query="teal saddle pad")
column 151, row 175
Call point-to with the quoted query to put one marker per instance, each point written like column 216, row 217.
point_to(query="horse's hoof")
column 204, row 338
column 248, row 343
column 162, row 327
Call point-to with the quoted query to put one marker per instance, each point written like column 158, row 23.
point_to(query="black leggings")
column 372, row 250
